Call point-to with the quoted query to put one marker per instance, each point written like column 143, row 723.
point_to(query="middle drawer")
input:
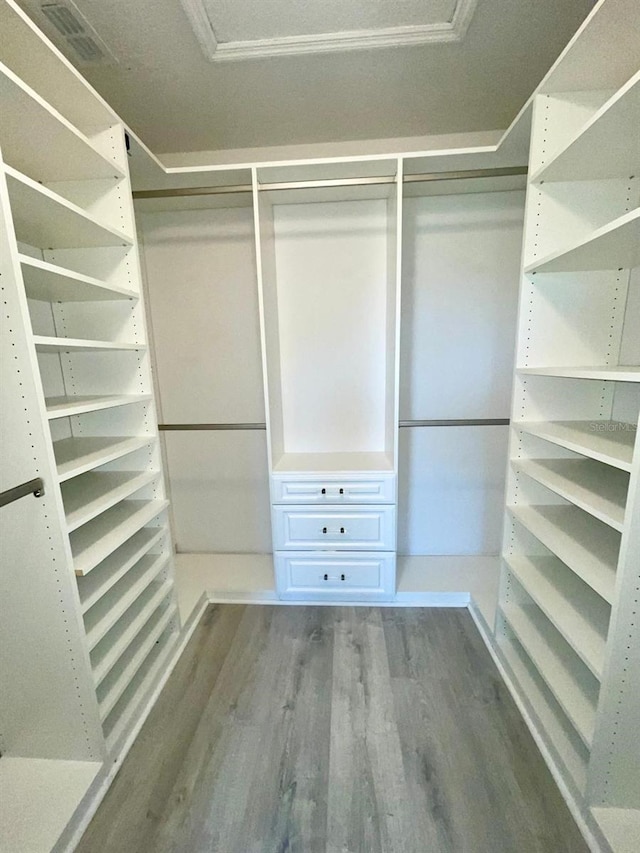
column 334, row 528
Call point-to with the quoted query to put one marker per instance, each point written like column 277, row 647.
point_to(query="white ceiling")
column 177, row 100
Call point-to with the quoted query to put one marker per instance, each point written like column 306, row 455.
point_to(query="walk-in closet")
column 335, row 386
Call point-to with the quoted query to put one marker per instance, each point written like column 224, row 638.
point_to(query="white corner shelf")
column 45, row 219
column 560, row 734
column 613, row 373
column 610, row 442
column 49, row 282
column 597, row 489
column 113, row 645
column 575, row 689
column 95, row 541
column 614, row 246
column 60, row 152
column 613, row 129
column 64, row 407
column 44, row 343
column 89, row 495
column 122, row 674
column 587, row 546
column 96, row 584
column 578, row 613
column 100, row 618
column 75, row 456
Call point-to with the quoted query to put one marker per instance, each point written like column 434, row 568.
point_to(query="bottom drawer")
column 330, row 576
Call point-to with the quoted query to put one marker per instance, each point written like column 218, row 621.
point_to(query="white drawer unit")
column 329, row 576
column 333, row 490
column 334, row 528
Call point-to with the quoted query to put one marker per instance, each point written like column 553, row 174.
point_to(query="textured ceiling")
column 176, row 100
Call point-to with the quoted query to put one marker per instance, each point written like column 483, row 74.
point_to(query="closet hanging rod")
column 416, row 423
column 429, row 177
column 31, row 487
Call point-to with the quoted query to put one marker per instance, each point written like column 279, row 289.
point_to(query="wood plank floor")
column 334, row 730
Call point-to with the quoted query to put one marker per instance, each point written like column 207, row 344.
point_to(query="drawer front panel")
column 334, row 528
column 297, row 490
column 366, row 576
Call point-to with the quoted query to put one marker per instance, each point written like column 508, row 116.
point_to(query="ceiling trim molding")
column 235, row 51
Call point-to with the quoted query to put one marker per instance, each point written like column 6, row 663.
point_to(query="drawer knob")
column 326, row 577
column 324, row 491
column 324, row 529
column 342, row 530
column 342, row 577
column 342, row 491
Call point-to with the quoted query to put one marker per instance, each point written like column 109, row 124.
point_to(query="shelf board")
column 596, row 488
column 97, row 583
column 121, row 676
column 45, row 219
column 614, row 246
column 105, row 613
column 606, row 146
column 59, row 152
column 50, row 344
column 88, row 495
column 558, row 667
column 610, row 442
column 333, row 462
column 95, row 541
column 620, row 827
column 48, row 282
column 109, row 650
column 124, row 713
column 587, row 546
column 75, row 456
column 580, row 615
column 560, row 735
column 64, row 407
column 613, row 373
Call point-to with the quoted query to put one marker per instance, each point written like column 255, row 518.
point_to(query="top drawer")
column 301, row 489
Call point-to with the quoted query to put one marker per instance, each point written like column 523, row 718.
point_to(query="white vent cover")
column 77, row 32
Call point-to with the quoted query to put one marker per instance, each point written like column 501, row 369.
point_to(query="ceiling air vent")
column 77, row 32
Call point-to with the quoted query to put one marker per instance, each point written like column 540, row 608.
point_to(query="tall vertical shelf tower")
column 567, row 626
column 329, row 278
column 89, row 616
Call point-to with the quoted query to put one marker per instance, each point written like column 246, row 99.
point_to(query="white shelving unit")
column 567, row 616
column 78, row 381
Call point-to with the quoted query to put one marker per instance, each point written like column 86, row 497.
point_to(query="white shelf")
column 95, row 492
column 580, row 615
column 615, row 245
column 598, row 489
column 97, row 583
column 55, row 151
column 100, row 618
column 95, row 541
column 49, row 344
column 604, row 147
column 610, row 442
column 587, row 546
column 121, row 676
column 558, row 732
column 109, row 650
column 64, row 407
column 51, row 283
column 333, row 462
column 576, row 692
column 45, row 219
column 124, row 713
column 621, row 827
column 75, row 456
column 614, row 373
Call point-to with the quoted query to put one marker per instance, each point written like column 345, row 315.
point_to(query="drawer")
column 320, row 576
column 334, row 528
column 333, row 490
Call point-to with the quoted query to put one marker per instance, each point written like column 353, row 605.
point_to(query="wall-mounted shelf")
column 45, row 219
column 75, row 456
column 615, row 373
column 614, row 246
column 587, row 546
column 610, row 442
column 62, row 152
column 49, row 282
column 93, row 493
column 63, row 407
column 599, row 490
